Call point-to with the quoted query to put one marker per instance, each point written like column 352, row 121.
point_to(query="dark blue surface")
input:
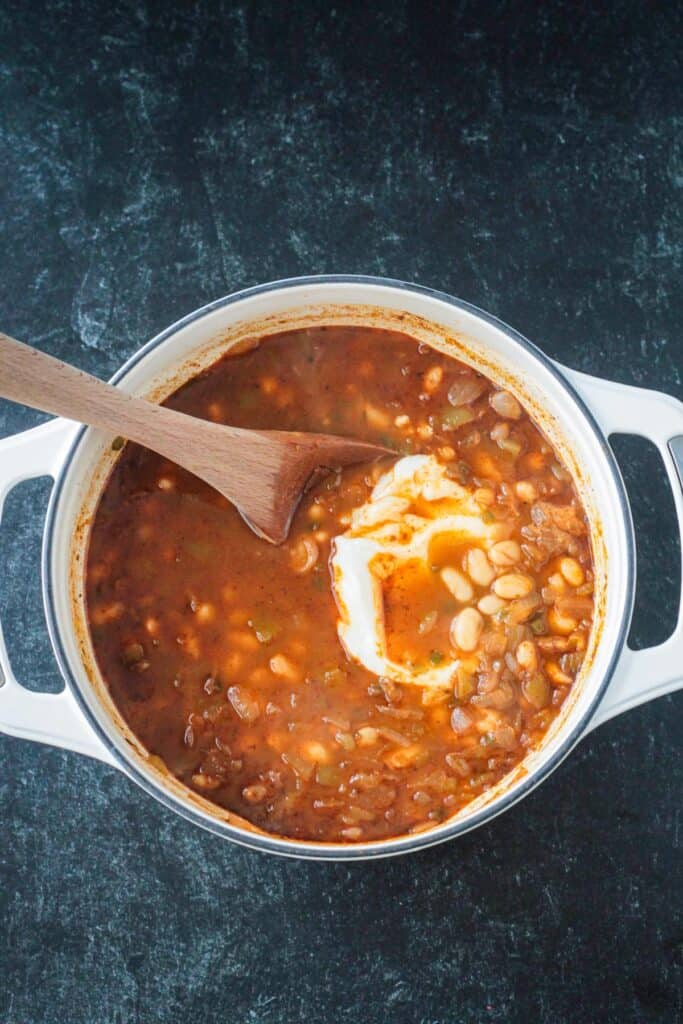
column 155, row 157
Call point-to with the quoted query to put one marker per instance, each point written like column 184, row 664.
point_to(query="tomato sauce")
column 222, row 651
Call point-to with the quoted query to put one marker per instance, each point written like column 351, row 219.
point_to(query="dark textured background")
column 528, row 160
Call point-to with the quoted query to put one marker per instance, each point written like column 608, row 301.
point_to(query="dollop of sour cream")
column 411, row 505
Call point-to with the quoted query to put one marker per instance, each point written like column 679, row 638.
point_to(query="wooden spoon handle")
column 43, row 382
column 263, row 474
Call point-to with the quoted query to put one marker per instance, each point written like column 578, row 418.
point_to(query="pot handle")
column 53, row 718
column 621, row 409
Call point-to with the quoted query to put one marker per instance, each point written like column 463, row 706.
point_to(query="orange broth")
column 221, row 650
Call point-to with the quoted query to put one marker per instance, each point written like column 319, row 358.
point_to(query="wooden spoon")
column 262, row 472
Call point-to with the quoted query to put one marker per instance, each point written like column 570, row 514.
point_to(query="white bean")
column 431, row 380
column 506, row 405
column 562, row 624
column 466, row 628
column 572, row 571
column 479, row 567
column 513, row 585
column 490, row 604
column 526, row 655
column 280, row 665
column 458, row 584
column 526, row 491
column 505, row 553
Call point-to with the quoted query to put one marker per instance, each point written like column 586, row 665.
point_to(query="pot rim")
column 377, row 848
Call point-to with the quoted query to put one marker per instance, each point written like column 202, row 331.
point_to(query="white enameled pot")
column 578, row 413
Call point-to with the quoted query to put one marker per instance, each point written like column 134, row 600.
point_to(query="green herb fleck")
column 451, row 419
column 537, row 625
